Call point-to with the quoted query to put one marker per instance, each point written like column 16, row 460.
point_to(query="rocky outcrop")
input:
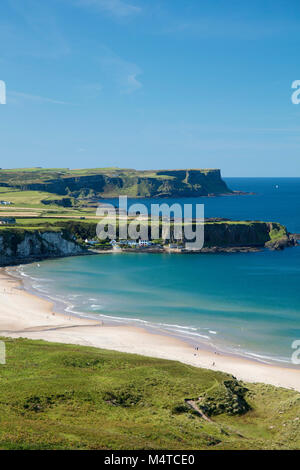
column 242, row 236
column 228, row 397
column 23, row 246
column 247, row 234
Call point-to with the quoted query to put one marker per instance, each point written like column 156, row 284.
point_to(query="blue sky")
column 151, row 84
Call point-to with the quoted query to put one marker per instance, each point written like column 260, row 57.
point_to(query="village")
column 7, row 220
column 137, row 245
column 5, row 203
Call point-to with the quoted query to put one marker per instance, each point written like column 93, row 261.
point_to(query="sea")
column 246, row 304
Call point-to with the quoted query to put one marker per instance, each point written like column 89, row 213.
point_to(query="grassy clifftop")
column 112, row 182
column 56, row 396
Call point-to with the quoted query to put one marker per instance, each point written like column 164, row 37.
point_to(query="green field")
column 38, row 204
column 31, row 199
column 56, row 396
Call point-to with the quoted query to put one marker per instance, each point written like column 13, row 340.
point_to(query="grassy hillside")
column 40, row 204
column 56, row 396
column 30, row 199
column 112, row 182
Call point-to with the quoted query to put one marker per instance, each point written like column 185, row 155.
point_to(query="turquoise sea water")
column 247, row 303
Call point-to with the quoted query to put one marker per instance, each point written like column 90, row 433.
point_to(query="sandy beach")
column 25, row 315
